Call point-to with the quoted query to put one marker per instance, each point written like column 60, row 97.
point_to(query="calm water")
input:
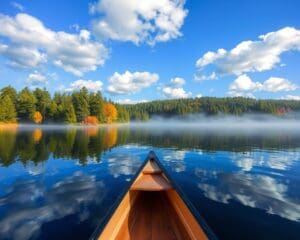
column 58, row 183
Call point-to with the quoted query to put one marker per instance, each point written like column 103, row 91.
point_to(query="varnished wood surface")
column 152, row 209
column 152, row 218
column 151, row 168
column 149, row 182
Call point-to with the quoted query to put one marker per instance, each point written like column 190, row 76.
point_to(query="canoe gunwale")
column 152, row 156
column 116, row 204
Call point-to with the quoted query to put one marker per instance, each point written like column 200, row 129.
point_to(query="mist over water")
column 251, row 123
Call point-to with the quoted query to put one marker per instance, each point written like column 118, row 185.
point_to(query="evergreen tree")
column 96, row 105
column 70, row 116
column 26, row 104
column 43, row 101
column 81, row 104
column 11, row 92
column 7, row 110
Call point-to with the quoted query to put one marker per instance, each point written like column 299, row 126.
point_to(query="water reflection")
column 277, row 160
column 32, row 205
column 66, row 178
column 87, row 144
column 123, row 164
column 252, row 190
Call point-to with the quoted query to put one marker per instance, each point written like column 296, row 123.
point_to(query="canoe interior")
column 152, row 209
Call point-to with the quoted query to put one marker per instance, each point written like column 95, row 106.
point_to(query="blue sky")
column 144, row 50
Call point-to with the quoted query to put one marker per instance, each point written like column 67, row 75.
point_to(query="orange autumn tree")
column 110, row 112
column 90, row 120
column 37, row 117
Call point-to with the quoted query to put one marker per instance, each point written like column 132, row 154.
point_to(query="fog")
column 224, row 123
column 197, row 122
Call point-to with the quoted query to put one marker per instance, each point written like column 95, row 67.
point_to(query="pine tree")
column 7, row 110
column 43, row 101
column 96, row 105
column 26, row 104
column 81, row 104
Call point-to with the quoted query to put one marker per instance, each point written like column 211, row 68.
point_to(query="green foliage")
column 11, row 92
column 209, row 106
column 26, row 104
column 96, row 104
column 7, row 109
column 81, row 104
column 43, row 102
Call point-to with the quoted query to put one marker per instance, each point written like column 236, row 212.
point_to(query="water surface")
column 59, row 182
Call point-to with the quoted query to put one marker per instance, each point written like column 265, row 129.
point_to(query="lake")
column 58, row 182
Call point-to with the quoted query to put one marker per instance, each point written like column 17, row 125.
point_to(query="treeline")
column 210, row 106
column 77, row 107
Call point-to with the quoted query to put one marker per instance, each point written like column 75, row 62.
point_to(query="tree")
column 26, row 104
column 11, row 92
column 7, row 110
column 81, row 104
column 110, row 112
column 43, row 101
column 37, row 117
column 90, row 120
column 96, row 105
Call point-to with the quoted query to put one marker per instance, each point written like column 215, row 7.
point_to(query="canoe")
column 153, row 207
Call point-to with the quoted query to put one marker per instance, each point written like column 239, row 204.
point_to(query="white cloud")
column 171, row 92
column 253, row 56
column 199, row 96
column 178, row 82
column 128, row 82
column 202, row 77
column 18, row 6
column 274, row 84
column 90, row 85
column 36, row 79
column 292, row 97
column 22, row 57
column 148, row 21
column 243, row 85
column 130, row 101
column 31, row 44
column 175, row 90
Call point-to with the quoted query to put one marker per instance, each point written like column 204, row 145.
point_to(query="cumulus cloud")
column 148, row 21
column 22, row 57
column 253, row 56
column 178, row 82
column 90, row 85
column 36, row 78
column 243, row 86
column 30, row 44
column 175, row 90
column 129, row 82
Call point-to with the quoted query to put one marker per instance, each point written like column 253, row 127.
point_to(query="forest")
column 86, row 107
column 210, row 106
column 39, row 106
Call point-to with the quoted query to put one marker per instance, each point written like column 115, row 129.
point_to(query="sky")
column 135, row 51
